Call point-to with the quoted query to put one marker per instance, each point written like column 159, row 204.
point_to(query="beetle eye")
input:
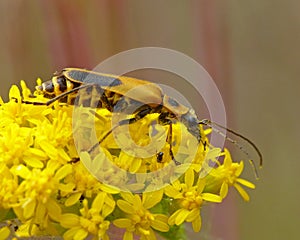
column 49, row 87
column 62, row 84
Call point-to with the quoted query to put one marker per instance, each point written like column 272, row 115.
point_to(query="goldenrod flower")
column 139, row 219
column 189, row 198
column 92, row 221
column 36, row 193
column 226, row 175
column 8, row 187
column 51, row 189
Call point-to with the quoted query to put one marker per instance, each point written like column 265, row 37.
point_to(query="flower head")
column 189, row 197
column 226, row 175
column 52, row 189
column 139, row 219
column 91, row 221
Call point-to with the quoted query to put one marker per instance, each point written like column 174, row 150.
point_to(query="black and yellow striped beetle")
column 116, row 96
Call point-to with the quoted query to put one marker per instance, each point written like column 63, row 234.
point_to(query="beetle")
column 126, row 94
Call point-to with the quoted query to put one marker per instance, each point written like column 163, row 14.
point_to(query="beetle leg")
column 139, row 115
column 34, row 103
column 164, row 120
column 102, row 139
column 60, row 96
column 169, row 140
column 103, row 99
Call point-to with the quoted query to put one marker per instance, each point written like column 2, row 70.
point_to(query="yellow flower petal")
column 22, row 171
column 240, row 169
column 127, row 196
column 213, row 153
column 171, row 220
column 74, row 198
column 49, row 149
column 171, row 191
column 69, row 220
column 122, row 223
column 211, row 197
column 135, row 166
column 182, row 215
column 161, row 217
column 125, row 206
column 54, row 209
column 40, row 212
column 63, row 171
column 62, row 153
column 109, row 200
column 189, row 177
column 227, row 161
column 4, row 233
column 81, row 234
column 242, row 192
column 106, row 210
column 69, row 234
column 66, row 188
column 200, row 185
column 152, row 235
column 109, row 189
column 224, row 190
column 193, row 214
column 197, row 224
column 128, row 236
column 109, row 206
column 99, row 201
column 160, row 226
column 35, row 152
column 29, row 208
column 245, row 183
column 137, row 204
column 14, row 93
column 150, row 199
column 33, row 162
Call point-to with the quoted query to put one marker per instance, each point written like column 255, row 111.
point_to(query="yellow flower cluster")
column 48, row 188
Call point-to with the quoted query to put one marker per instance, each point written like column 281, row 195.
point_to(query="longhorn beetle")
column 118, row 95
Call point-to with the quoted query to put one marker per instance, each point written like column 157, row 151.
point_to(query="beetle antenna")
column 211, row 124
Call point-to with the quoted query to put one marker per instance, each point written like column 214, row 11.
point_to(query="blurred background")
column 250, row 48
